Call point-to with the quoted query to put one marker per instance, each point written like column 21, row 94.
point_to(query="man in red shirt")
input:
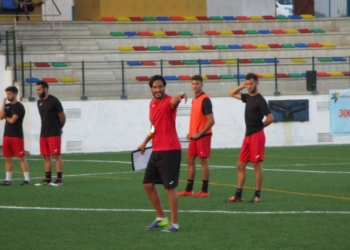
column 200, row 132
column 164, row 164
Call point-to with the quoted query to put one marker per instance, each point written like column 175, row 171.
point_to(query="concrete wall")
column 240, row 8
column 121, row 125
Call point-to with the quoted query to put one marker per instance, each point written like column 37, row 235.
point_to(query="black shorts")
column 163, row 168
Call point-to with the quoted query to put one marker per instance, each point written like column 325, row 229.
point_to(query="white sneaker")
column 56, row 183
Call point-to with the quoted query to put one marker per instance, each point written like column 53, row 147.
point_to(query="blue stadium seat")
column 163, row 18
column 171, row 78
column 229, row 18
column 134, row 63
column 204, row 61
column 303, row 74
column 301, row 45
column 338, row 59
column 264, row 32
column 295, row 17
column 235, row 46
column 131, row 33
column 167, row 47
column 240, row 76
column 34, row 80
column 271, row 60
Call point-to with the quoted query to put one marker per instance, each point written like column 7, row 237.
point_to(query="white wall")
column 65, row 7
column 240, row 8
column 121, row 125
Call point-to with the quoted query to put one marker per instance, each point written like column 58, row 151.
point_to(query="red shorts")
column 200, row 147
column 13, row 146
column 253, row 147
column 50, row 145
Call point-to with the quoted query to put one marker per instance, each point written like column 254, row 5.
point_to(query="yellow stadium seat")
column 190, row 18
column 298, row 60
column 262, row 46
column 230, row 61
column 25, row 65
column 336, row 73
column 67, row 79
column 204, row 77
column 256, row 18
column 292, row 31
column 158, row 33
column 328, row 44
column 123, row 19
column 226, row 32
column 125, row 48
column 307, row 16
column 268, row 75
column 194, row 47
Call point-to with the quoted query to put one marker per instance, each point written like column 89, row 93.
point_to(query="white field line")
column 181, row 211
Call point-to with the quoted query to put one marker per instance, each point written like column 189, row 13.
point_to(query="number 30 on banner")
column 343, row 113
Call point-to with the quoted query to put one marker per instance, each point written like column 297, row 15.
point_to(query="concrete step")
column 48, row 33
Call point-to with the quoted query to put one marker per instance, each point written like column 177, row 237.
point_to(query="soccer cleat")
column 185, row 193
column 158, row 224
column 234, row 199
column 201, row 194
column 255, row 199
column 43, row 183
column 57, row 183
column 169, row 229
column 25, row 183
column 6, row 183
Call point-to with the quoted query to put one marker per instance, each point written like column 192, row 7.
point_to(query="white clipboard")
column 139, row 161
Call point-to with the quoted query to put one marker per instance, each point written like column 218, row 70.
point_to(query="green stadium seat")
column 117, row 33
column 153, row 48
column 185, row 33
column 282, row 17
column 226, row 76
column 258, row 61
column 288, row 45
column 216, row 18
column 221, row 46
column 59, row 64
column 318, row 31
column 325, row 59
column 150, row 19
column 295, row 75
column 190, row 62
column 252, row 32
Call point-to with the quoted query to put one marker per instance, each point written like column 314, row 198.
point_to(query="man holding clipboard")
column 164, row 164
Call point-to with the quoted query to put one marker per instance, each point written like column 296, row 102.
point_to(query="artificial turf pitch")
column 102, row 204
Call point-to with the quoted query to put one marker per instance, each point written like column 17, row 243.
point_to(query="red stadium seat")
column 171, row 33
column 145, row 33
column 242, row 18
column 109, row 19
column 304, row 31
column 50, row 79
column 136, row 19
column 184, row 77
column 315, row 45
column 180, row 47
column 148, row 63
column 213, row 77
column 217, row 62
column 139, row 48
column 245, row 61
column 176, row 18
column 142, row 78
column 212, row 33
column 322, row 74
column 208, row 47
column 275, row 46
column 278, row 32
column 346, row 73
column 203, row 18
column 282, row 75
column 239, row 32
column 176, row 62
column 268, row 17
column 259, row 76
column 41, row 65
column 248, row 46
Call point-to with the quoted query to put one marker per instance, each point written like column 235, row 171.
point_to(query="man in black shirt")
column 253, row 146
column 52, row 121
column 13, row 143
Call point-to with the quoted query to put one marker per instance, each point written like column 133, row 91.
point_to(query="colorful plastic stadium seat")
column 245, row 61
column 301, row 45
column 294, row 17
column 282, row 17
column 139, row 48
column 130, row 33
column 294, row 75
column 256, row 18
column 282, row 75
column 117, row 33
column 226, row 32
column 317, row 30
column 336, row 73
column 239, row 32
column 328, row 44
column 148, row 63
column 291, row 31
column 204, row 62
column 176, row 18
column 240, row 76
column 150, row 19
column 213, row 77
column 50, row 79
column 25, row 65
column 59, row 64
column 185, row 33
column 212, row 33
column 252, row 32
column 125, row 48
column 322, row 74
column 142, row 78
column 221, row 46
column 184, row 77
column 163, row 18
column 230, row 61
column 134, row 63
column 324, row 59
column 217, row 61
column 145, row 33
column 171, row 78
column 262, row 46
column 304, row 31
column 243, row 18
column 268, row 75
column 308, row 16
column 271, row 60
column 248, row 46
column 208, row 47
column 203, row 18
column 190, row 18
column 109, row 19
column 226, row 76
column 32, row 80
column 167, row 47
column 176, row 62
column 346, row 73
column 158, row 33
column 288, row 45
column 195, row 47
column 123, row 19
column 264, row 32
column 258, row 61
column 171, row 33
column 136, row 19
column 338, row 59
column 303, row 74
column 235, row 46
column 298, row 60
column 269, row 17
column 229, row 18
column 153, row 48
column 190, row 62
column 315, row 45
column 67, row 79
column 180, row 47
column 41, row 65
column 204, row 77
column 216, row 18
column 278, row 32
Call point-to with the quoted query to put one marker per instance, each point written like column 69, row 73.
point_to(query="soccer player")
column 200, row 132
column 253, row 146
column 164, row 164
column 52, row 122
column 13, row 143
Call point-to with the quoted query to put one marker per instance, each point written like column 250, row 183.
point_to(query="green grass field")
column 102, row 205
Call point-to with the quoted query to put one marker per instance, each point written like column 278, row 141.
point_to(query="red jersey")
column 163, row 117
